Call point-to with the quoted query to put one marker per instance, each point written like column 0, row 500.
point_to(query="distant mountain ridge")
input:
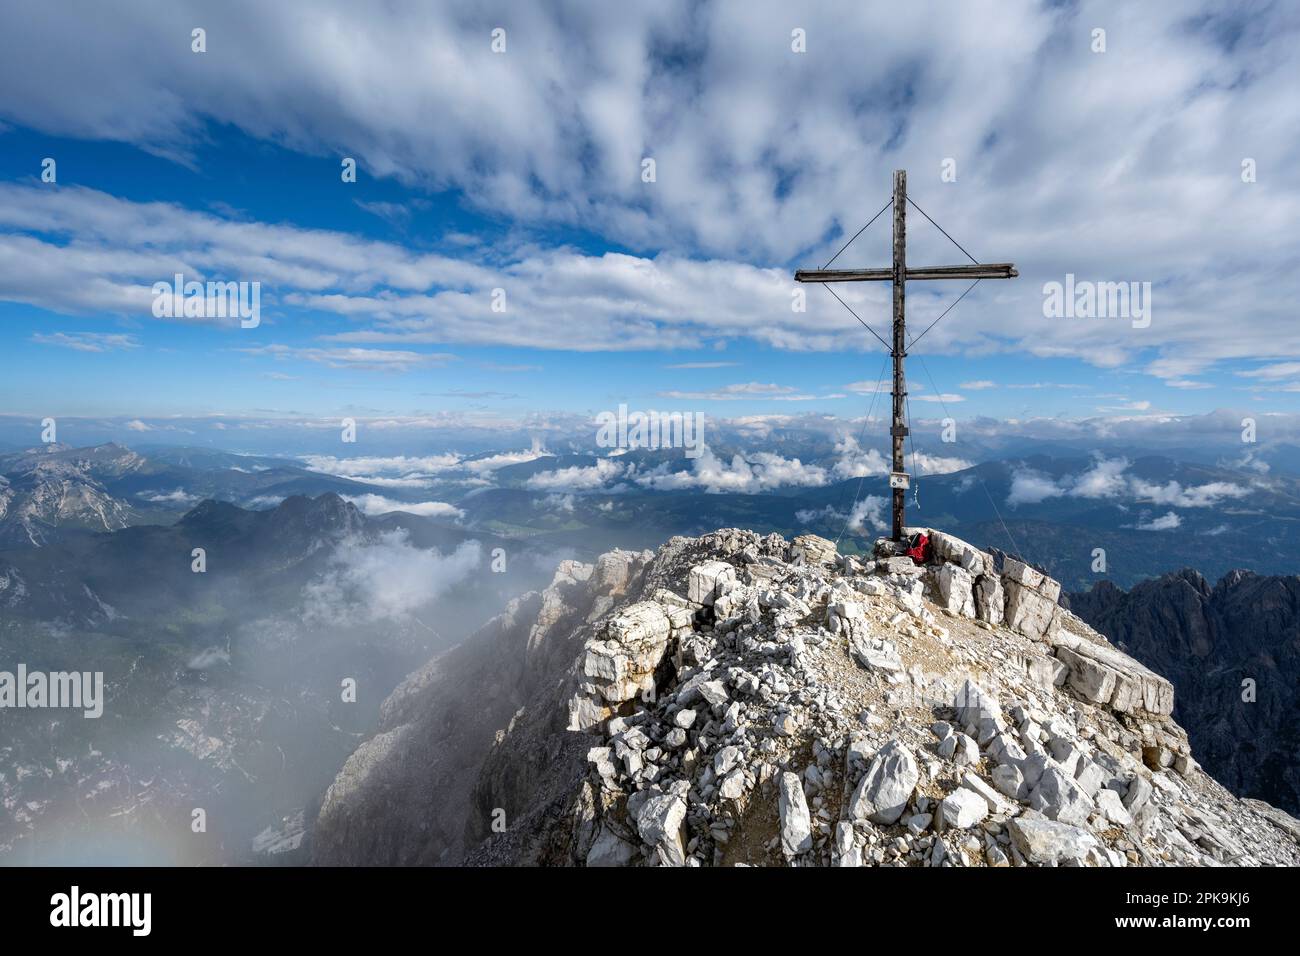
column 53, row 492
column 147, row 569
column 57, row 487
column 1207, row 640
column 1149, row 514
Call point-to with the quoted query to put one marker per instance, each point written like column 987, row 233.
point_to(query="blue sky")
column 522, row 171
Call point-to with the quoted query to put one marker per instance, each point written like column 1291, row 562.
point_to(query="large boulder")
column 709, row 581
column 990, row 600
column 812, row 549
column 978, row 709
column 1104, row 675
column 1035, row 580
column 1031, row 600
column 882, row 794
column 1050, row 843
column 1028, row 612
column 954, row 586
column 659, row 821
column 956, row 551
column 623, row 665
column 1059, row 797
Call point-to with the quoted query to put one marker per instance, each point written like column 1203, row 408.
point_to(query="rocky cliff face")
column 1232, row 652
column 424, row 788
column 736, row 699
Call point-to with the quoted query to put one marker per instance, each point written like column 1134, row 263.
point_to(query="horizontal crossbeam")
column 983, row 270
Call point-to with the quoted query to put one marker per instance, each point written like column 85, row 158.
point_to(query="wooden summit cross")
column 899, row 273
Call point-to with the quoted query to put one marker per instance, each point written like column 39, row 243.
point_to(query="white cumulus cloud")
column 378, row 505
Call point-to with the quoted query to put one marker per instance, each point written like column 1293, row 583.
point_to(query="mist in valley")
column 233, row 696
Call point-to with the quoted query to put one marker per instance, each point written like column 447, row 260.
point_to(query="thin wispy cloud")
column 87, row 341
column 702, row 365
column 377, row 360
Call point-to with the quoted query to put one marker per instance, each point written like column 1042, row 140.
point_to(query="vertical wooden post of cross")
column 898, row 429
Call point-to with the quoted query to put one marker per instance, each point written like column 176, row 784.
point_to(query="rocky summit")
column 741, row 700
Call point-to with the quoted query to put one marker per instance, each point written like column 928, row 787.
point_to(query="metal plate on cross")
column 899, row 479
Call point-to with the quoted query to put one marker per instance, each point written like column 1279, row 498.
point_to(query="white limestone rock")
column 714, row 693
column 1010, row 782
column 812, row 549
column 726, row 759
column 1058, row 797
column 954, row 586
column 979, row 709
column 918, row 823
column 990, row 601
column 1138, row 793
column 967, row 752
column 622, row 666
column 1090, row 776
column 962, row 809
column 1046, row 671
column 1103, row 674
column 847, row 851
column 1112, row 808
column 609, row 849
column 733, row 785
column 796, row 824
column 766, row 688
column 981, row 787
column 601, row 758
column 953, row 549
column 1028, row 577
column 709, row 581
column 1049, row 842
column 876, row 654
column 1028, row 612
column 882, row 794
column 586, row 712
column 848, row 619
column 613, row 570
column 659, row 821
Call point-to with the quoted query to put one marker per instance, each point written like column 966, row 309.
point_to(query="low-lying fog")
column 224, row 723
